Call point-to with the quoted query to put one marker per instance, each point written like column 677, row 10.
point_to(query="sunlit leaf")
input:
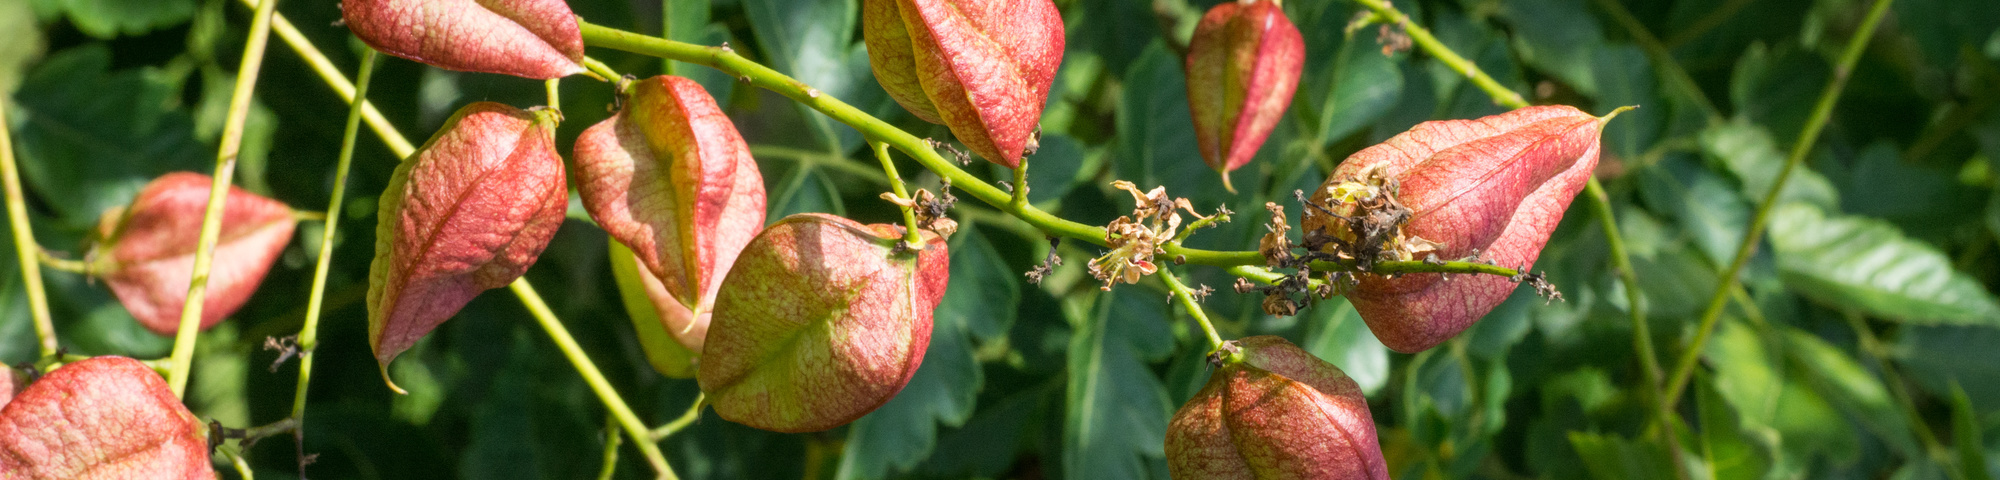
column 1868, row 265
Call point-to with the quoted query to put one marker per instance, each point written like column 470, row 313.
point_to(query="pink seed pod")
column 671, row 179
column 1242, row 68
column 145, row 251
column 536, row 39
column 1274, row 411
column 103, row 417
column 468, row 212
column 1495, row 186
column 981, row 67
column 821, row 321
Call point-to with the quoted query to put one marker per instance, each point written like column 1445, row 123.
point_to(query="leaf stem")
column 693, row 413
column 47, row 259
column 1021, row 183
column 324, row 68
column 1186, row 297
column 1822, row 112
column 308, row 339
column 611, row 443
column 910, row 235
column 641, row 437
column 218, row 195
column 24, row 240
column 1422, row 37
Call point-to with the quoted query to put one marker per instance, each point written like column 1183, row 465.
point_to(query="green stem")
column 601, row 69
column 1642, row 331
column 910, row 236
column 1822, row 112
column 324, row 68
column 308, row 340
column 1021, row 184
column 218, row 195
column 820, row 159
column 24, row 240
column 641, row 437
column 554, row 86
column 47, row 259
column 1423, row 39
column 611, row 443
column 1186, row 297
column 693, row 413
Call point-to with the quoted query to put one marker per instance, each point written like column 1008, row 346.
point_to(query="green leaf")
column 1868, row 265
column 1725, row 450
column 988, row 444
column 1966, row 437
column 1752, row 377
column 981, row 299
column 1156, row 136
column 1559, row 37
column 1349, row 83
column 21, row 42
column 1843, row 381
column 1710, row 210
column 1612, row 457
column 110, row 18
column 1749, row 152
column 1937, row 357
column 93, row 138
column 813, row 41
column 666, row 355
column 1335, row 333
column 1624, row 78
column 1115, row 425
column 806, row 190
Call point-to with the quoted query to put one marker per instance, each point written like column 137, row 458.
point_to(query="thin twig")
column 218, row 195
column 693, row 413
column 1821, row 114
column 641, row 437
column 24, row 240
column 1186, row 297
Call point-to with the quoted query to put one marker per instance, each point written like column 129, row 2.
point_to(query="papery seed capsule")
column 1496, row 186
column 1275, row 411
column 145, row 251
column 981, row 67
column 670, row 177
column 468, row 212
column 1243, row 66
column 821, row 321
column 536, row 39
column 103, row 417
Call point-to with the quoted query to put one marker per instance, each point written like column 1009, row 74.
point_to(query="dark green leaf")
column 1336, row 334
column 1725, row 450
column 1868, row 265
column 92, row 138
column 806, row 190
column 1559, row 37
column 1936, row 357
column 981, row 298
column 1611, row 457
column 1965, row 436
column 1749, row 152
column 1116, row 420
column 111, row 18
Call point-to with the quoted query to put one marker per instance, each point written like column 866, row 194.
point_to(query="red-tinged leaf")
column 1243, row 66
column 468, row 212
column 1496, row 186
column 981, row 67
column 101, row 418
column 145, row 251
column 1278, row 412
column 525, row 38
column 671, row 178
column 821, row 321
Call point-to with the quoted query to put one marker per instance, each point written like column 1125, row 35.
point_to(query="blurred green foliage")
column 1865, row 342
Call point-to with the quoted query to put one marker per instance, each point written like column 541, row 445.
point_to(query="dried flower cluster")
column 1134, row 238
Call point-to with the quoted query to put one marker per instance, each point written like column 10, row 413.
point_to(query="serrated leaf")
column 980, row 302
column 1115, row 422
column 1868, row 265
column 1750, row 153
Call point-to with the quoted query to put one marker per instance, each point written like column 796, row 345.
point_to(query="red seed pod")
column 145, row 251
column 1495, row 186
column 671, row 178
column 525, row 38
column 10, row 381
column 103, row 417
column 468, row 212
column 1275, row 411
column 981, row 67
column 1242, row 67
column 821, row 321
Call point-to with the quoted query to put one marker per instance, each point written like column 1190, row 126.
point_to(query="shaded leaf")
column 1117, row 409
column 1612, row 457
column 79, row 115
column 111, row 18
column 1725, row 450
column 1335, row 333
